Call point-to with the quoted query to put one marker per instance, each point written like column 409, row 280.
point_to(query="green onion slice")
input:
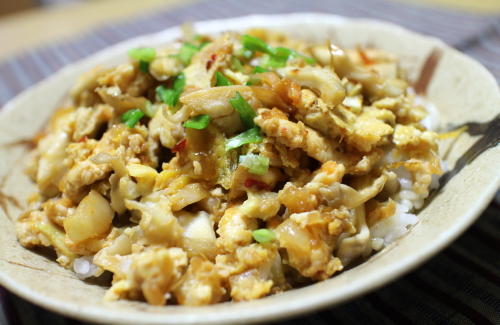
column 187, row 52
column 236, row 64
column 253, row 43
column 221, row 80
column 259, row 69
column 307, row 59
column 198, row 122
column 166, row 95
column 263, row 235
column 249, row 136
column 284, row 53
column 180, row 82
column 170, row 96
column 272, row 62
column 276, row 57
column 247, row 114
column 146, row 54
column 131, row 117
column 256, row 164
column 144, row 66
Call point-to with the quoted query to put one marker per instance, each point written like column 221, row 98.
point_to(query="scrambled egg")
column 226, row 168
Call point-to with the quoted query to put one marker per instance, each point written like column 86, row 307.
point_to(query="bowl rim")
column 282, row 307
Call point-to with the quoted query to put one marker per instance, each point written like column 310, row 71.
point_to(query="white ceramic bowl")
column 461, row 88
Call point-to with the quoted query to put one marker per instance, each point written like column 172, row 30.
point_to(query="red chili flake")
column 211, row 61
column 366, row 60
column 179, row 146
column 83, row 139
column 250, row 182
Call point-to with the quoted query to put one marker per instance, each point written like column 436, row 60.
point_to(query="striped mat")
column 459, row 286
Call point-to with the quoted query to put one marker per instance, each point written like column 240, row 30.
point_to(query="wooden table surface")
column 39, row 26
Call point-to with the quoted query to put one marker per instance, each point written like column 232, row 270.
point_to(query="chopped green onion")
column 145, row 54
column 243, row 53
column 259, row 69
column 186, row 52
column 247, row 114
column 198, row 122
column 131, row 117
column 180, row 82
column 280, row 60
column 221, row 80
column 236, row 64
column 307, row 59
column 272, row 62
column 263, row 235
column 276, row 57
column 144, row 66
column 256, row 44
column 166, row 95
column 249, row 136
column 130, row 113
column 171, row 96
column 283, row 53
column 256, row 164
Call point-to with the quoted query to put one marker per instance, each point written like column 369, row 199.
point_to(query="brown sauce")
column 427, row 71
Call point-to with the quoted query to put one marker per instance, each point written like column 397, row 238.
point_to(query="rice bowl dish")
column 444, row 216
column 231, row 167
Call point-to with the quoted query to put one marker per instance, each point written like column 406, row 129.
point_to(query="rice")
column 407, row 201
column 84, row 268
column 431, row 121
column 395, row 226
column 390, row 229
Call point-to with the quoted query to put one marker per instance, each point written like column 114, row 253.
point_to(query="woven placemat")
column 459, row 286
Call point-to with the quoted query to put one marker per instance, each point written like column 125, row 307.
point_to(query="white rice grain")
column 392, row 228
column 377, row 243
column 405, row 183
column 431, row 121
column 408, row 195
column 389, row 229
column 84, row 268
